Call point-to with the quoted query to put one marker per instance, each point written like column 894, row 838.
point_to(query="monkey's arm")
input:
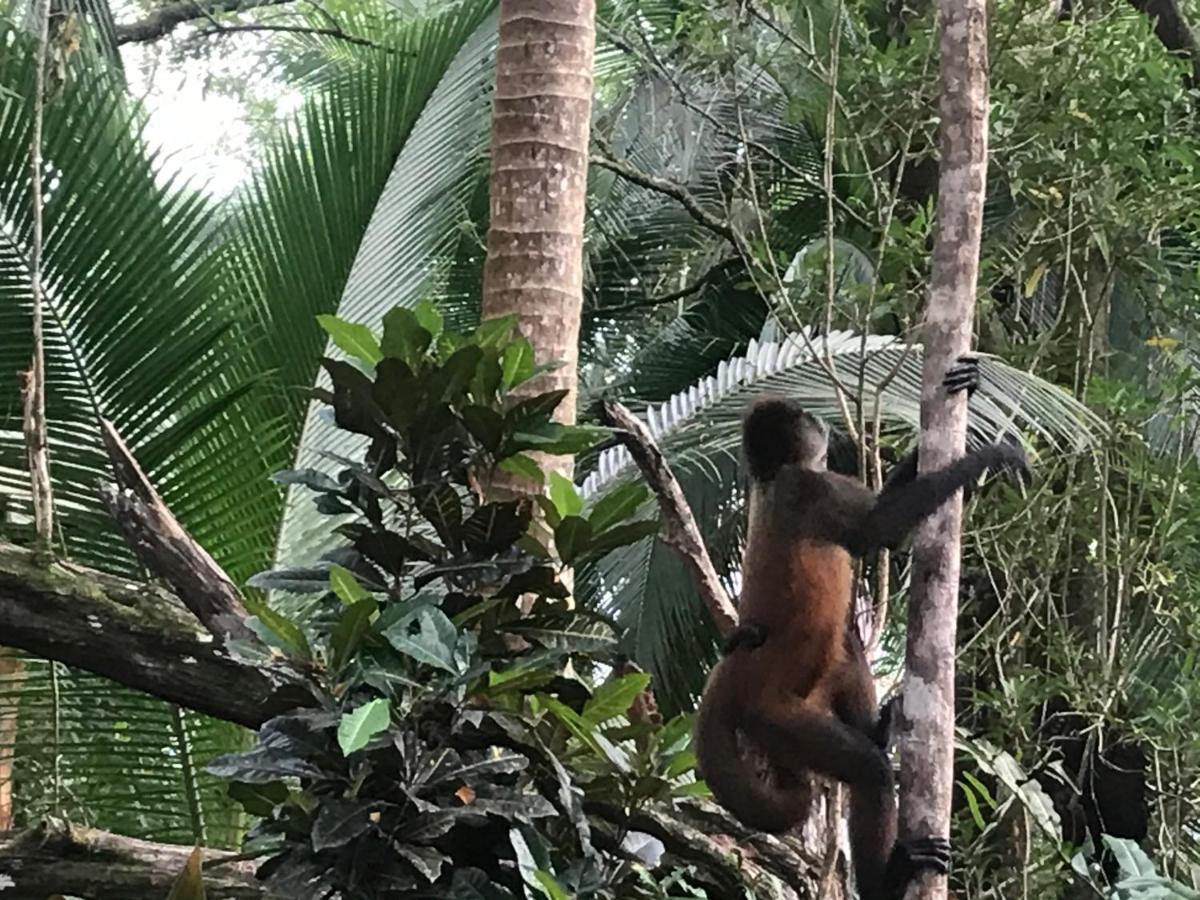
column 903, row 505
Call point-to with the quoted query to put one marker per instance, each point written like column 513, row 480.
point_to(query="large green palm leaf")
column 136, row 327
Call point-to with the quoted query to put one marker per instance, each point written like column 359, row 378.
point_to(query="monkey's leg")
column 818, row 741
column 899, row 508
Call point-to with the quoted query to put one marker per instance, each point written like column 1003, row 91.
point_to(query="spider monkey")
column 795, row 679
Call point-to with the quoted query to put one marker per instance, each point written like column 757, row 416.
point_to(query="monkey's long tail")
column 733, row 780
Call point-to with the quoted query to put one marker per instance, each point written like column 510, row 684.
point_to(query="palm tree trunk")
column 540, row 125
column 927, row 719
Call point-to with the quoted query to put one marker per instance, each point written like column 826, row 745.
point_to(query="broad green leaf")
column 587, row 733
column 517, row 363
column 549, row 886
column 404, row 338
column 291, row 636
column 613, row 698
column 429, row 318
column 359, row 726
column 524, row 467
column 681, row 763
column 427, row 636
column 620, row 536
column 258, row 799
column 495, row 332
column 564, row 496
column 351, row 628
column 571, row 537
column 339, row 822
column 355, row 339
column 346, row 586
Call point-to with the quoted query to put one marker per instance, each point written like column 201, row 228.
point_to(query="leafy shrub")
column 460, row 744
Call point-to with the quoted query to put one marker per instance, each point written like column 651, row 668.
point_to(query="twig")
column 221, row 30
column 680, row 531
column 714, row 272
column 677, row 192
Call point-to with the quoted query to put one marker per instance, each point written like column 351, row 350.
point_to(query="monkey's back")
column 797, row 586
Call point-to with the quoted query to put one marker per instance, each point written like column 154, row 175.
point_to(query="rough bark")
column 926, row 724
column 540, row 126
column 55, row 860
column 138, row 635
column 165, row 548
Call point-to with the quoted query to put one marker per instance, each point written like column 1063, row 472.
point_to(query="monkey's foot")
column 928, row 854
column 962, row 376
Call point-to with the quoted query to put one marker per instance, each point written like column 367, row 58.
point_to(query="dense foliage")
column 470, row 717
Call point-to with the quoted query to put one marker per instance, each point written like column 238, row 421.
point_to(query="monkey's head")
column 777, row 432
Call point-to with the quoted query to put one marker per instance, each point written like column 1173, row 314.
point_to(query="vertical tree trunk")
column 927, row 719
column 540, row 125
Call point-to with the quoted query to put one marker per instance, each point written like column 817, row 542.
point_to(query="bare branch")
column 680, row 531
column 138, row 635
column 57, row 859
column 165, row 548
column 677, row 192
column 221, row 30
column 170, row 16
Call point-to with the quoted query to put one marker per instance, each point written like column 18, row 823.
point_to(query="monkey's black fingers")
column 1010, row 455
column 962, row 376
column 929, row 853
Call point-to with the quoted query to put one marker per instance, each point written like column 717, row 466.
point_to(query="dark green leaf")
column 311, row 478
column 571, row 537
column 617, row 505
column 495, row 332
column 262, row 765
column 354, row 407
column 495, row 527
column 396, row 392
column 351, row 628
column 523, row 467
column 629, row 533
column 339, row 822
column 427, row 636
column 486, row 425
column 517, row 363
column 359, row 726
column 355, row 339
column 534, row 410
column 404, row 338
column 613, row 698
column 426, row 860
column 440, row 505
column 346, row 586
column 563, row 495
column 291, row 636
column 259, row 799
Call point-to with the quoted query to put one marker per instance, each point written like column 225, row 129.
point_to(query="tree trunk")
column 927, row 719
column 540, row 125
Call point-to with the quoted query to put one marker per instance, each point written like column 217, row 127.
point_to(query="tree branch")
column 219, row 30
column 680, row 531
column 137, row 635
column 165, row 548
column 677, row 192
column 170, row 16
column 54, row 859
